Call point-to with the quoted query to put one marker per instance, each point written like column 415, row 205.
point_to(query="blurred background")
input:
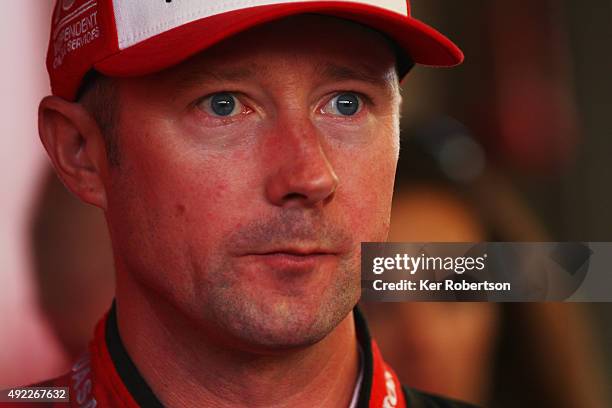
column 514, row 145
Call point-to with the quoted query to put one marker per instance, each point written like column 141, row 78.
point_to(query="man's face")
column 250, row 174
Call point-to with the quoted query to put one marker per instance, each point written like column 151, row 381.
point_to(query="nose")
column 301, row 173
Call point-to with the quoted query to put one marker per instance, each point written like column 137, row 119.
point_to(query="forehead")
column 324, row 46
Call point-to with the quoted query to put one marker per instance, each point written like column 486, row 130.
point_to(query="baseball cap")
column 123, row 38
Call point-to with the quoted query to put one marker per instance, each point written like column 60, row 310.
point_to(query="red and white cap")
column 138, row 37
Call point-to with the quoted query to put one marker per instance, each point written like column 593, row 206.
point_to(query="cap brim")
column 421, row 43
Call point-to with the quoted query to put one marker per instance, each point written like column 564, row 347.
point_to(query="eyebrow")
column 329, row 71
column 359, row 72
column 196, row 77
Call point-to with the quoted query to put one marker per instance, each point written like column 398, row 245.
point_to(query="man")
column 241, row 151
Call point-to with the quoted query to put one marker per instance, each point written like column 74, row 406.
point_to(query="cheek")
column 366, row 186
column 169, row 199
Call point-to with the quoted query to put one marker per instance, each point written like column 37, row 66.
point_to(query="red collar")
column 106, row 376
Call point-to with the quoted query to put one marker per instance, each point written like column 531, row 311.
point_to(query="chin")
column 272, row 323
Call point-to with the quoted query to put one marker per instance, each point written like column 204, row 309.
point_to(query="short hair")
column 98, row 94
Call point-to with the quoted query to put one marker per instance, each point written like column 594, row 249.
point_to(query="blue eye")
column 223, row 104
column 344, row 104
column 347, row 104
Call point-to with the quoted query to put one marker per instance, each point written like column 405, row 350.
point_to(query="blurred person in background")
column 537, row 96
column 498, row 355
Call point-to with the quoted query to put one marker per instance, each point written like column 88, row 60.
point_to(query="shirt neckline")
column 144, row 396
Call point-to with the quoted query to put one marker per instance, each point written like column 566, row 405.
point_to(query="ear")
column 76, row 148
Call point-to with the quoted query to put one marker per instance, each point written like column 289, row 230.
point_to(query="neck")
column 184, row 367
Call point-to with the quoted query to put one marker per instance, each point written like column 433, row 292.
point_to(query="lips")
column 296, row 252
column 292, row 258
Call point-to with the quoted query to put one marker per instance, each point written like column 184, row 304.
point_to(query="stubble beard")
column 263, row 321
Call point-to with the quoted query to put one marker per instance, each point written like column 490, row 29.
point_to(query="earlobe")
column 75, row 146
